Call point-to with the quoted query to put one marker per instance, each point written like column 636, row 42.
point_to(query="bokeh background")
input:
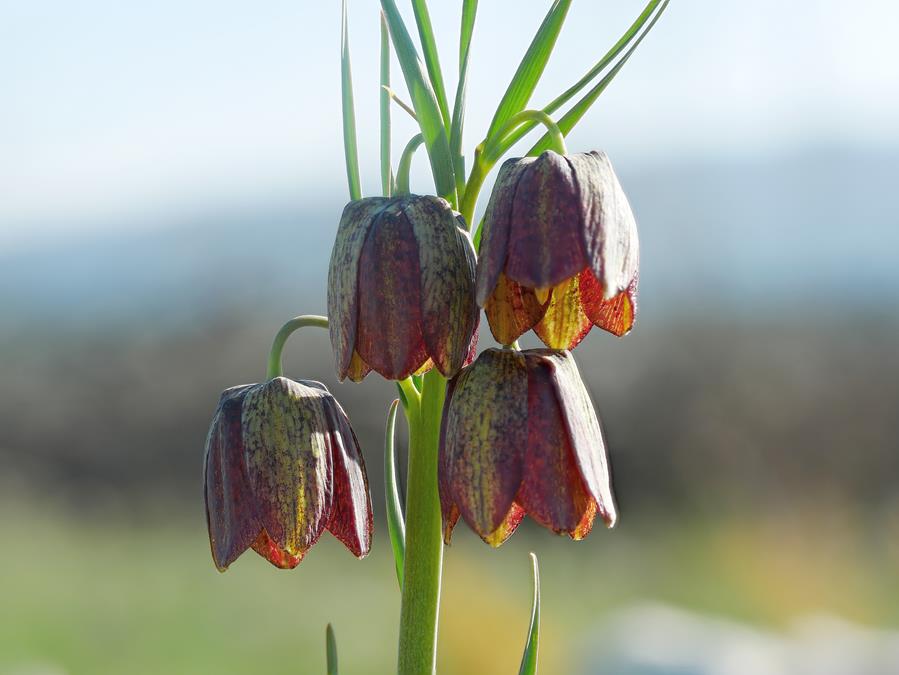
column 171, row 176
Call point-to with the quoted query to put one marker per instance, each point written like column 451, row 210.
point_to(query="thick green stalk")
column 424, row 541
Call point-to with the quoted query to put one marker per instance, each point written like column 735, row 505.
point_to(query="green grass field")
column 93, row 595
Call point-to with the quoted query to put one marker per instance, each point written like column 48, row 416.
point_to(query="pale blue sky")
column 113, row 111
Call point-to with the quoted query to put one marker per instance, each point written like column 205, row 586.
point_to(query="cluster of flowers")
column 559, row 254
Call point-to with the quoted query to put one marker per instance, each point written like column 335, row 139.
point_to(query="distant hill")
column 806, row 232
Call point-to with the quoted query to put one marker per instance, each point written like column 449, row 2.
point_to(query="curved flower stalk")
column 559, row 250
column 520, row 436
column 401, row 289
column 282, row 465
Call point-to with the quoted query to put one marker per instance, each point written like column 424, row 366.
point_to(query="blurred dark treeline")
column 700, row 414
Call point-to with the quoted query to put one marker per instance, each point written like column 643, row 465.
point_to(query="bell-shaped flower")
column 559, row 251
column 401, row 289
column 520, row 436
column 282, row 465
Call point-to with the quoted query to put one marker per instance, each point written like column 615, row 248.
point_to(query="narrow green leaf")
column 573, row 116
column 349, row 114
column 607, row 58
column 386, row 170
column 396, row 527
column 432, row 61
column 458, row 127
column 425, row 103
column 600, row 65
column 331, row 650
column 469, row 11
column 531, row 67
column 529, row 658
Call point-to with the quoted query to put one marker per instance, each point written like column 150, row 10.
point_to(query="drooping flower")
column 401, row 289
column 520, row 436
column 282, row 464
column 559, row 251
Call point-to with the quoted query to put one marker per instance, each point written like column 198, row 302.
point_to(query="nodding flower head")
column 520, row 436
column 559, row 251
column 401, row 289
column 282, row 465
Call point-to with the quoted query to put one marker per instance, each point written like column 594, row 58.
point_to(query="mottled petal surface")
column 343, row 276
column 448, row 508
column 351, row 515
column 358, row 368
column 389, row 338
column 230, row 511
column 495, row 235
column 546, row 245
column 288, row 461
column 512, row 310
column 610, row 229
column 564, row 324
column 484, row 441
column 584, row 431
column 552, row 490
column 447, row 263
column 269, row 550
column 616, row 315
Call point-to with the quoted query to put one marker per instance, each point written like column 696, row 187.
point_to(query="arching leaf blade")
column 531, row 67
column 568, row 121
column 600, row 66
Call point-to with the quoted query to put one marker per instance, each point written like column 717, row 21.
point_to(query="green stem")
column 274, row 355
column 497, row 145
column 473, row 187
column 489, row 152
column 424, row 542
column 402, row 171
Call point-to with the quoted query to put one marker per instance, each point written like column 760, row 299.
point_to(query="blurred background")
column 171, row 176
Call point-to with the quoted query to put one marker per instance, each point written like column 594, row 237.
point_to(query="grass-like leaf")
column 432, row 60
column 386, row 169
column 350, row 149
column 396, row 528
column 531, row 67
column 568, row 121
column 425, row 103
column 600, row 66
column 469, row 11
column 529, row 658
column 331, row 650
